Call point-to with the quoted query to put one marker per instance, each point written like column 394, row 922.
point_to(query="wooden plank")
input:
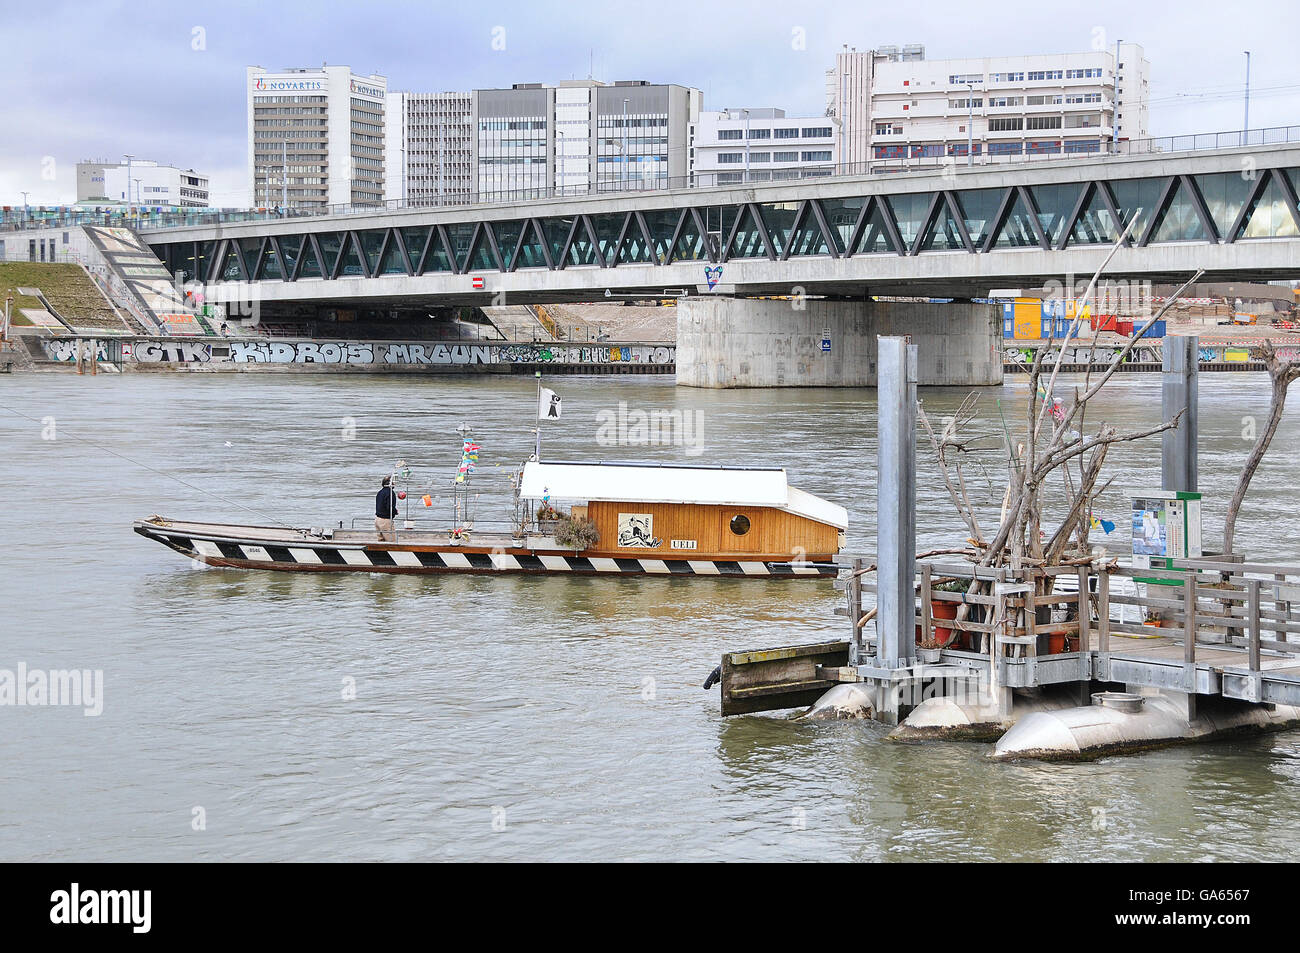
column 776, row 678
column 1103, row 612
column 1252, row 608
column 1085, row 609
column 927, row 609
column 1189, row 621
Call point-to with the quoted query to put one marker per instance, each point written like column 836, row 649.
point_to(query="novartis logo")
column 364, row 90
column 288, row 84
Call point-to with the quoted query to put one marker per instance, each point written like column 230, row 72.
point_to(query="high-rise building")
column 140, row 182
column 762, row 145
column 896, row 105
column 315, row 137
column 429, row 146
column 582, row 135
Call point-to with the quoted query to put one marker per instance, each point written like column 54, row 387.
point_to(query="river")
column 514, row 718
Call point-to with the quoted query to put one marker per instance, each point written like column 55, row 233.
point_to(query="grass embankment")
column 67, row 287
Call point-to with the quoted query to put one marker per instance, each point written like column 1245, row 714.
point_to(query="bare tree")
column 1282, row 373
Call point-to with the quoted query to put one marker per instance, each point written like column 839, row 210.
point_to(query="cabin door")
column 740, row 532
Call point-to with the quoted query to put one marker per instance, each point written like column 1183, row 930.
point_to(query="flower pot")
column 1056, row 643
column 946, row 611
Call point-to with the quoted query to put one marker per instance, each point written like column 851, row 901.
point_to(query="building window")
column 1005, row 148
column 1043, row 122
column 760, row 157
column 730, row 157
column 965, row 103
column 1008, row 77
column 818, row 156
column 730, row 134
column 1008, row 124
column 786, row 133
column 740, row 525
column 1007, row 101
column 760, row 133
column 785, row 157
column 817, row 132
column 958, row 79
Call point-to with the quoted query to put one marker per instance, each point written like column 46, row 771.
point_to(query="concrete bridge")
column 952, row 233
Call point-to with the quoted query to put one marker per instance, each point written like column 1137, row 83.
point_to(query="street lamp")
column 970, row 125
column 559, row 162
column 625, row 157
column 1245, row 126
column 746, row 112
column 1114, row 109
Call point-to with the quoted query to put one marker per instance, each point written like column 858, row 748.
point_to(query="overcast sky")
column 166, row 81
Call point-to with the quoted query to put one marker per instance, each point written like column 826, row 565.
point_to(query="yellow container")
column 1027, row 319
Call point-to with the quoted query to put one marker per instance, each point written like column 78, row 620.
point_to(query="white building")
column 583, row 135
column 896, row 105
column 140, row 182
column 429, row 148
column 315, row 137
column 762, row 144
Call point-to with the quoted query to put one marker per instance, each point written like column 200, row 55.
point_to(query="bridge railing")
column 914, row 160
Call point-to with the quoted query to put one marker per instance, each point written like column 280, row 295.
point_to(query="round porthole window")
column 740, row 525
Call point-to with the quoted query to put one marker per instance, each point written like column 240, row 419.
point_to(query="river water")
column 517, row 718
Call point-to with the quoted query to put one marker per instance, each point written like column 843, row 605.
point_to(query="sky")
column 165, row 81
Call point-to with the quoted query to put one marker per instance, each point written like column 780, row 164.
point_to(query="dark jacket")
column 386, row 503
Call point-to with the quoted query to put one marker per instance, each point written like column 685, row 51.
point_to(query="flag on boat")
column 548, row 405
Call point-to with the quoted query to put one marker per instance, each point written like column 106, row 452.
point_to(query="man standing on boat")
column 385, row 510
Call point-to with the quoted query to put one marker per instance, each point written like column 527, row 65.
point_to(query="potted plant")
column 548, row 517
column 942, row 609
column 576, row 533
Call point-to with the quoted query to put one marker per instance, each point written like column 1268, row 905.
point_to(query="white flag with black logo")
column 548, row 405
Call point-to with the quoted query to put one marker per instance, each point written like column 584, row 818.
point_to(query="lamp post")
column 128, row 158
column 746, row 112
column 625, row 156
column 559, row 163
column 1114, row 122
column 27, row 215
column 1245, row 125
column 970, row 125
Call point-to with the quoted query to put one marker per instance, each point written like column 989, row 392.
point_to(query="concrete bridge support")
column 748, row 342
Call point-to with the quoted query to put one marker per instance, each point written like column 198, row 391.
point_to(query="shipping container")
column 1028, row 318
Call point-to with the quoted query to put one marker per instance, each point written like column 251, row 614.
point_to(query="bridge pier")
column 748, row 342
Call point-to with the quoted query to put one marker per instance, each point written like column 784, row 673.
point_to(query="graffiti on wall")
column 177, row 352
column 1143, row 354
column 67, row 350
column 369, row 353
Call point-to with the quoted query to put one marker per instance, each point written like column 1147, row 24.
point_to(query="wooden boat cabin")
column 688, row 513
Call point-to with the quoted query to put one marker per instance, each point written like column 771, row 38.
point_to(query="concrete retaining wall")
column 741, row 342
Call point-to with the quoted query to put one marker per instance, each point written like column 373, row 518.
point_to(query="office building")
column 139, row 182
column 762, row 145
column 896, row 105
column 582, row 135
column 315, row 137
column 429, row 146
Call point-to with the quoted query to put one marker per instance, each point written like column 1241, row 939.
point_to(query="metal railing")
column 147, row 218
column 1249, row 609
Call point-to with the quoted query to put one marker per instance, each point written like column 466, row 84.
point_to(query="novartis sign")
column 364, row 90
column 262, row 84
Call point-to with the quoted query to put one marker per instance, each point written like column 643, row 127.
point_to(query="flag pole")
column 537, row 412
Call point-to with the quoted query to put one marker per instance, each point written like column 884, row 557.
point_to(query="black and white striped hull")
column 309, row 554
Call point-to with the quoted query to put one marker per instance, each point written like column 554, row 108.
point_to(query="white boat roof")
column 651, row 483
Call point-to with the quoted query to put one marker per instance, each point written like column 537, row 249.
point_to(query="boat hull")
column 299, row 551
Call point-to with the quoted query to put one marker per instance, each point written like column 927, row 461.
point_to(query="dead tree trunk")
column 1282, row 374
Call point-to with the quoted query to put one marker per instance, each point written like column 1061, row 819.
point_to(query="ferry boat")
column 627, row 519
